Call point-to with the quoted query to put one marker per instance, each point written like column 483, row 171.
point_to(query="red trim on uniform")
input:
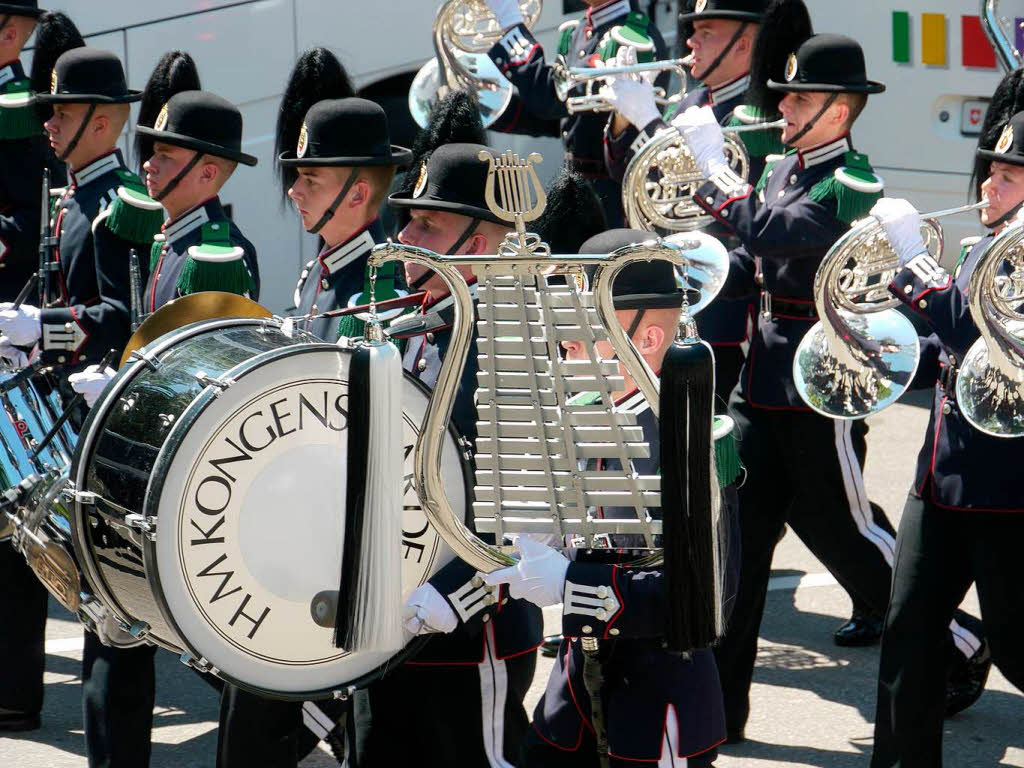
column 572, row 693
column 795, row 317
column 520, row 62
column 925, row 292
column 732, row 200
column 156, row 280
column 546, row 740
column 74, row 182
column 517, row 653
column 801, row 152
column 618, row 596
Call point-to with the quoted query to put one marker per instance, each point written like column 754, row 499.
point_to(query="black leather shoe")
column 12, row 721
column 967, row 680
column 551, row 645
column 735, row 737
column 858, row 632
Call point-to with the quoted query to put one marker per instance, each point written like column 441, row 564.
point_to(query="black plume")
column 1007, row 101
column 174, row 73
column 316, row 76
column 454, row 119
column 55, row 34
column 684, row 29
column 787, row 24
column 573, row 214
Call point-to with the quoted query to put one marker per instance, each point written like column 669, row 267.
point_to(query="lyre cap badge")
column 161, row 119
column 53, row 81
column 791, row 68
column 421, row 182
column 300, row 150
column 1005, row 140
column 700, row 6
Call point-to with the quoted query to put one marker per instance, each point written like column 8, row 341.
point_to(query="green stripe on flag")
column 901, row 37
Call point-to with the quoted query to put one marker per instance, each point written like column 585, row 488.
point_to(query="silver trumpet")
column 990, row 380
column 661, row 179
column 862, row 354
column 568, row 78
column 464, row 30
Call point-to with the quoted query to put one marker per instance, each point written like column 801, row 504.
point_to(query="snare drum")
column 30, row 407
column 209, row 487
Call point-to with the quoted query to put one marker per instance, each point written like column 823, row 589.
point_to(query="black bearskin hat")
column 1007, row 101
column 573, row 214
column 55, row 34
column 316, row 76
column 787, row 24
column 174, row 73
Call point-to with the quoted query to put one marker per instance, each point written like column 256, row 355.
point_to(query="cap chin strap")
column 333, row 207
column 636, row 322
column 466, row 234
column 993, row 225
column 177, row 179
column 73, row 144
column 813, row 121
column 725, row 52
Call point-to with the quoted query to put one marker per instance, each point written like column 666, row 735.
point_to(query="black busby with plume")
column 175, row 72
column 786, row 24
column 55, row 34
column 317, row 76
column 573, row 213
column 1007, row 101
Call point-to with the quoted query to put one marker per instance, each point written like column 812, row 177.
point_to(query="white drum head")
column 251, row 520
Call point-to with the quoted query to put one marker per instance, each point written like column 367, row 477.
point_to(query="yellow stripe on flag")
column 933, row 39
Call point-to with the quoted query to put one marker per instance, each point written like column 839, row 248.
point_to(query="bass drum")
column 209, row 484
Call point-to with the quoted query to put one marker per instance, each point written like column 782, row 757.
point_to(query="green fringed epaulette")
column 758, row 143
column 727, row 459
column 565, row 32
column 633, row 32
column 18, row 120
column 855, row 188
column 215, row 264
column 351, row 326
column 155, row 251
column 965, row 249
column 134, row 215
column 769, row 166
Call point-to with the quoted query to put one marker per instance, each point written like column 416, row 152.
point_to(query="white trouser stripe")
column 668, row 757
column 493, row 690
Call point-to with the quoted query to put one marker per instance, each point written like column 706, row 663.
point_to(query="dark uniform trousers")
column 23, row 598
column 535, row 108
column 952, row 533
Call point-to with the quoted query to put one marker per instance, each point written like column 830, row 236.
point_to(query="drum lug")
column 199, row 664
column 344, row 693
column 218, row 384
column 139, row 629
column 138, row 357
column 141, row 523
column 82, row 497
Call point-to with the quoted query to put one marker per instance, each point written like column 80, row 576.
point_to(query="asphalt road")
column 813, row 703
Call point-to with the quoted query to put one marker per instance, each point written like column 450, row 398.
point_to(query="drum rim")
column 167, row 455
column 85, row 449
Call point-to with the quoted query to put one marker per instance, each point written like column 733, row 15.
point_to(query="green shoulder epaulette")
column 635, row 33
column 965, row 248
column 216, row 264
column 855, row 188
column 134, row 215
column 770, row 161
column 758, row 143
column 727, row 458
column 18, row 119
column 565, row 32
column 352, row 326
column 156, row 251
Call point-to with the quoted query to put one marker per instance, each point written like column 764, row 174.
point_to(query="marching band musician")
column 659, row 707
column 24, row 152
column 952, row 533
column 786, row 224
column 536, row 108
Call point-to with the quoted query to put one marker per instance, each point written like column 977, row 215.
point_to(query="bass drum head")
column 249, row 493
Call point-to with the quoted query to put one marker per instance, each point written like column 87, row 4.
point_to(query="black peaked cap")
column 345, row 133
column 28, row 8
column 453, row 179
column 88, row 76
column 643, row 284
column 831, row 63
column 734, row 10
column 1010, row 147
column 201, row 121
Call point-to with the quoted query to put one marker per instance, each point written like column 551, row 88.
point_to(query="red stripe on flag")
column 977, row 51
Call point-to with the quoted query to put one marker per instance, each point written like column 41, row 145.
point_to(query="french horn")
column 1000, row 32
column 464, row 31
column 990, row 379
column 861, row 356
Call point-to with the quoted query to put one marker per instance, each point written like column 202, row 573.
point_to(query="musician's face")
column 166, row 163
column 576, row 350
column 316, row 188
column 62, row 127
column 437, row 231
column 800, row 107
column 710, row 37
column 1003, row 189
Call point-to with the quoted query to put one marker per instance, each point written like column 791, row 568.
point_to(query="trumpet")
column 990, row 380
column 862, row 354
column 464, row 31
column 661, row 179
column 567, row 78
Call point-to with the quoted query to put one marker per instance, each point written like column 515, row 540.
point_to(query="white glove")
column 507, row 12
column 703, row 135
column 427, row 611
column 902, row 225
column 538, row 577
column 20, row 326
column 12, row 355
column 632, row 96
column 91, row 382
